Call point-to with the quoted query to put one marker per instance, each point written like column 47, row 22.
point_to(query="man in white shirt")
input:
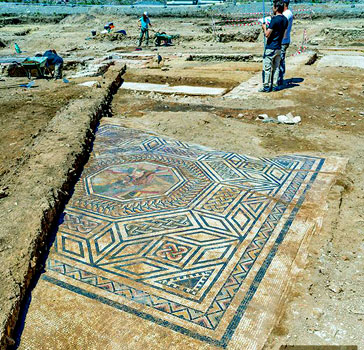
column 285, row 42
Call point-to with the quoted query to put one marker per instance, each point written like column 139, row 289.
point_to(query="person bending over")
column 56, row 61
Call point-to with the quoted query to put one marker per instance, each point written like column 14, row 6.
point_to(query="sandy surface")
column 24, row 115
column 325, row 305
column 36, row 190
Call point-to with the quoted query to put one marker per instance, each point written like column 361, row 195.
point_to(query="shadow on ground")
column 291, row 83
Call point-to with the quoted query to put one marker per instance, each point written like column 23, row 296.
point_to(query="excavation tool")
column 29, row 85
column 264, row 38
column 34, row 63
column 164, row 38
column 17, row 48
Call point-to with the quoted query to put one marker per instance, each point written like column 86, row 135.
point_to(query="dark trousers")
column 142, row 33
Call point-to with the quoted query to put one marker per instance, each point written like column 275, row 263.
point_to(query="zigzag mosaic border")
column 210, row 319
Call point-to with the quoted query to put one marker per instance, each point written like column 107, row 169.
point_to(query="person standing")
column 144, row 28
column 286, row 41
column 272, row 51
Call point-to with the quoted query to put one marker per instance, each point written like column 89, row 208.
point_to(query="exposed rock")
column 250, row 36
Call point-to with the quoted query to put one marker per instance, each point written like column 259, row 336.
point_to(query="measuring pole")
column 264, row 23
column 213, row 27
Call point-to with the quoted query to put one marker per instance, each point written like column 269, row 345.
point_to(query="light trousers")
column 271, row 60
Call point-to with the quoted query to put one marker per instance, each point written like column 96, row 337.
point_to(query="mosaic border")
column 223, row 342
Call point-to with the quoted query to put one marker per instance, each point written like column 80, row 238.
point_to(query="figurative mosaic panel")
column 170, row 231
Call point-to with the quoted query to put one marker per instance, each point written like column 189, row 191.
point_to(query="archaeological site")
column 181, row 175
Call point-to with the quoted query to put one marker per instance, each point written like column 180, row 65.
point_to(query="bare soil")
column 325, row 306
column 37, row 189
column 24, row 115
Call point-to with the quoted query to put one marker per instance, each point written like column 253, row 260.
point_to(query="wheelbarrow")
column 34, row 63
column 164, row 38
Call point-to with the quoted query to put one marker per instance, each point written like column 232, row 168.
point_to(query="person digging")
column 54, row 61
column 144, row 29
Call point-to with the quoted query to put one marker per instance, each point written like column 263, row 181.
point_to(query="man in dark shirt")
column 272, row 52
column 54, row 60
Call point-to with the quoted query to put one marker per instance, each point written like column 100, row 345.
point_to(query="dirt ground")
column 325, row 306
column 24, row 115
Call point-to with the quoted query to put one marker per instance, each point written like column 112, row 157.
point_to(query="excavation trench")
column 63, row 148
column 44, row 185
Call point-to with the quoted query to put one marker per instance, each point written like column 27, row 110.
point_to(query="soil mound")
column 110, row 37
column 250, row 36
column 344, row 35
column 23, row 32
column 31, row 19
column 78, row 19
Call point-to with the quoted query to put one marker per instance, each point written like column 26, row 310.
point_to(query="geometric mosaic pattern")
column 171, row 231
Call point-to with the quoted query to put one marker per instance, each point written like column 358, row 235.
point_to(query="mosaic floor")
column 174, row 242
